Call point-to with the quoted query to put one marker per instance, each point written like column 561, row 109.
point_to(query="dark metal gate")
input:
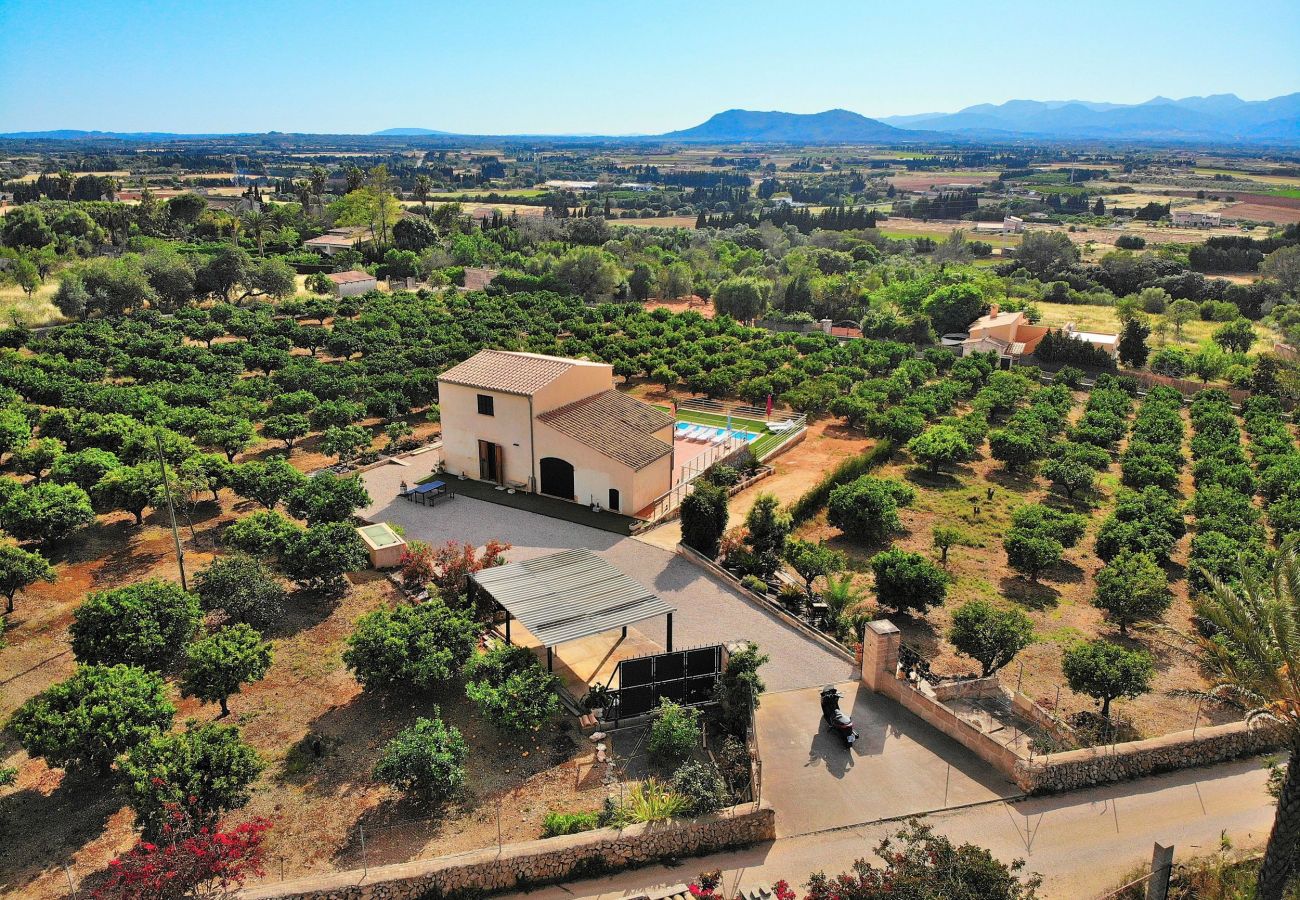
column 683, row 676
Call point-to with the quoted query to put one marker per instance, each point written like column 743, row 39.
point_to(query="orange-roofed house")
column 554, row 426
column 1009, row 334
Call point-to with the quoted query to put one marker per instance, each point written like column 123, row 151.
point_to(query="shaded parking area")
column 899, row 766
column 708, row 612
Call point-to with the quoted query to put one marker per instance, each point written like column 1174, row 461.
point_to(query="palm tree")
column 256, row 223
column 423, row 185
column 849, row 606
column 1253, row 658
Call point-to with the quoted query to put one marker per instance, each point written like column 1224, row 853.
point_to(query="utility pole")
column 171, row 509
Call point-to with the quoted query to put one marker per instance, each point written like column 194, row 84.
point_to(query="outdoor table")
column 428, row 492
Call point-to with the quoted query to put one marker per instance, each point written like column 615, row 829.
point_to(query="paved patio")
column 899, row 766
column 708, row 612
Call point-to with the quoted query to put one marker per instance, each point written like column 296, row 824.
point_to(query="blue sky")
column 498, row 66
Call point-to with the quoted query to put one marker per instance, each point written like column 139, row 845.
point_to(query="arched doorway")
column 557, row 477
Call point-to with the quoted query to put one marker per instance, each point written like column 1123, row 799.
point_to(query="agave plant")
column 649, row 801
column 1252, row 655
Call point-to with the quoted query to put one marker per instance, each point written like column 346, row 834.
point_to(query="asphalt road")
column 1082, row 843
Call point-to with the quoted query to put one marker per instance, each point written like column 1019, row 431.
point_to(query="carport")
column 567, row 596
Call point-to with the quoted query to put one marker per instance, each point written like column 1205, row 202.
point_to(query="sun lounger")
column 719, row 437
column 682, row 428
column 698, row 433
column 781, row 427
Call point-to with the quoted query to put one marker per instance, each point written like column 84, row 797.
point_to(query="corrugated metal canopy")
column 569, row 595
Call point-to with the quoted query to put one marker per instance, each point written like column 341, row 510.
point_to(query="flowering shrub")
column 189, row 859
column 454, row 562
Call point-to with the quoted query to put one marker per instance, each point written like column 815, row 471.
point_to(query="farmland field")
column 1105, row 319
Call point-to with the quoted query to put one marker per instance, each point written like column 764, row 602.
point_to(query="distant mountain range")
column 834, row 126
column 1217, row 119
column 406, row 132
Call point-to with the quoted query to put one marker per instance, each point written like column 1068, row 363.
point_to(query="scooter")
column 840, row 723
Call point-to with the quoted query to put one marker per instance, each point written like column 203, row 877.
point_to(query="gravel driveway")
column 708, row 611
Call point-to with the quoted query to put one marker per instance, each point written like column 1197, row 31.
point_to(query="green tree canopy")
column 209, row 763
column 144, row 624
column 93, row 716
column 219, row 664
column 1106, row 671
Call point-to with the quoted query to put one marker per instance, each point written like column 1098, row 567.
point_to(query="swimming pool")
column 691, row 431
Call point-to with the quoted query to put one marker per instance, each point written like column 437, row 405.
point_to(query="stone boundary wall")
column 1075, row 769
column 879, row 671
column 530, row 863
column 978, row 688
column 1069, row 770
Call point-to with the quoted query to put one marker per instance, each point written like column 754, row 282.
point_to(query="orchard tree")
column 939, row 447
column 1106, row 671
column 866, row 510
column 1031, row 552
column 15, row 431
column 813, row 561
column 990, row 636
column 243, row 588
column 1070, row 474
column 946, row 537
column 1132, row 588
column 84, row 468
column 93, row 716
column 144, row 624
column 20, row 569
column 908, row 582
column 288, row 427
column 229, row 435
column 411, row 646
column 321, row 555
column 328, row 498
column 35, row 458
column 1014, row 446
column 262, row 533
column 510, row 688
column 206, row 767
column 220, row 663
column 268, row 483
column 46, row 512
column 344, row 443
column 128, row 488
column 426, row 760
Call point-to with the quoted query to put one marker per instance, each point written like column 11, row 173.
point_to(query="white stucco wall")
column 463, row 428
column 594, row 473
column 577, row 383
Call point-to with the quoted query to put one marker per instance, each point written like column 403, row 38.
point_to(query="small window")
column 485, row 405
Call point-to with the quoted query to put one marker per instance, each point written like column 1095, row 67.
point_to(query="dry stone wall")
column 516, row 866
column 1074, row 769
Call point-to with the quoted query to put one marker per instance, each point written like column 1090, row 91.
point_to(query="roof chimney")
column 994, row 309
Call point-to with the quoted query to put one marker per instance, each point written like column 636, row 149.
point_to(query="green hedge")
column 850, row 469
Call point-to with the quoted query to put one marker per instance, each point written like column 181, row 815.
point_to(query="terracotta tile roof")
column 617, row 425
column 350, row 277
column 333, row 240
column 508, row 372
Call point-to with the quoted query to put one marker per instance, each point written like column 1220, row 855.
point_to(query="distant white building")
column 349, row 284
column 1197, row 219
column 334, row 241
